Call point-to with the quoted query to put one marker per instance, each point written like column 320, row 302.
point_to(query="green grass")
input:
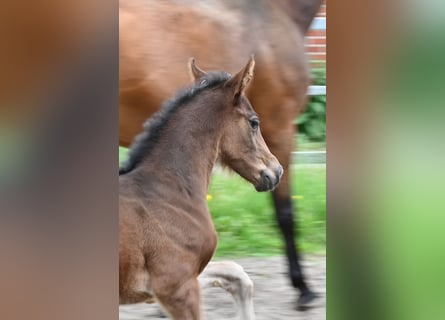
column 245, row 219
column 303, row 143
column 122, row 154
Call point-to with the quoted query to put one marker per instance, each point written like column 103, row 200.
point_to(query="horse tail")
column 304, row 12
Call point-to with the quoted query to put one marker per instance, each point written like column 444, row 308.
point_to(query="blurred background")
column 385, row 256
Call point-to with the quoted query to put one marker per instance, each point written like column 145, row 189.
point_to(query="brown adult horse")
column 166, row 235
column 156, row 37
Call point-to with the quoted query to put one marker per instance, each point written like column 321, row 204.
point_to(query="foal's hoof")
column 161, row 313
column 306, row 300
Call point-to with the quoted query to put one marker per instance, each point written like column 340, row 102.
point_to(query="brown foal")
column 166, row 235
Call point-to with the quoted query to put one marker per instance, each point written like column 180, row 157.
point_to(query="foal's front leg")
column 183, row 303
column 231, row 277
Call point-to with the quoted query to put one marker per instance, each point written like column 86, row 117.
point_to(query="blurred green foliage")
column 312, row 122
column 401, row 225
column 408, row 184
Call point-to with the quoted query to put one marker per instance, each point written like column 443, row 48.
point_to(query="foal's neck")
column 188, row 147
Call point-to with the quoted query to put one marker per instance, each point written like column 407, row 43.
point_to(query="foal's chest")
column 200, row 239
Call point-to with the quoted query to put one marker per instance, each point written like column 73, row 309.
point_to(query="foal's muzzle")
column 270, row 179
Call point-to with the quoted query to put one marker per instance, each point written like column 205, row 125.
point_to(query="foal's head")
column 242, row 146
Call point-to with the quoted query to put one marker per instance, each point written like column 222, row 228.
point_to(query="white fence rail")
column 316, row 91
column 309, row 157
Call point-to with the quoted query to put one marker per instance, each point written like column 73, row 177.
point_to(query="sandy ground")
column 274, row 297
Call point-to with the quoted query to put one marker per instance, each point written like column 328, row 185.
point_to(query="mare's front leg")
column 231, row 277
column 180, row 303
column 281, row 146
column 284, row 214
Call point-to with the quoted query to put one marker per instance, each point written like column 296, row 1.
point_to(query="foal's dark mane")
column 153, row 127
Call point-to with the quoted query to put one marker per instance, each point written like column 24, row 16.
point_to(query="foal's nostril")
column 270, row 178
column 280, row 171
column 267, row 179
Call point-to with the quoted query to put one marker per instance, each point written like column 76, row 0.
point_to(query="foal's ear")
column 242, row 79
column 195, row 72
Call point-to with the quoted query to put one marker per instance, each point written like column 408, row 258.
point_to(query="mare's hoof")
column 306, row 300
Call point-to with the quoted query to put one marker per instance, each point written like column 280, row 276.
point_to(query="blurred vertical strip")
column 357, row 36
column 386, row 154
column 407, row 182
column 59, row 159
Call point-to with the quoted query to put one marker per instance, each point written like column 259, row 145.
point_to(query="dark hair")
column 145, row 141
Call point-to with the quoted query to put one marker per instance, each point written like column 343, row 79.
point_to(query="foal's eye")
column 254, row 123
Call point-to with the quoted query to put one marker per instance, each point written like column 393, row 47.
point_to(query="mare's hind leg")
column 184, row 303
column 281, row 146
